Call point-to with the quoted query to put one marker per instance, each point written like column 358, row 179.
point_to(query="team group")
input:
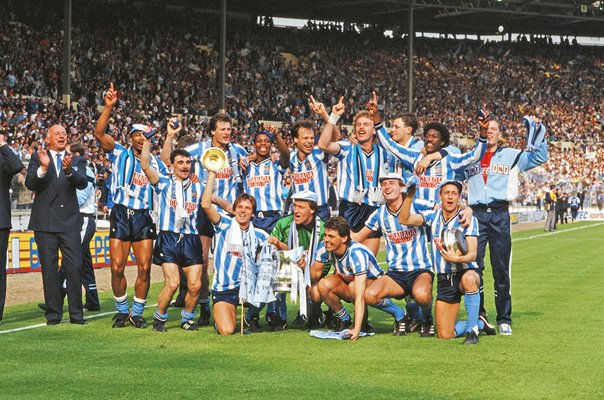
column 390, row 185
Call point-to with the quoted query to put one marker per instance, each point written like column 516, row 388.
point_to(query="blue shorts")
column 204, row 226
column 266, row 220
column 447, row 286
column 230, row 296
column 182, row 250
column 130, row 225
column 406, row 279
column 356, row 215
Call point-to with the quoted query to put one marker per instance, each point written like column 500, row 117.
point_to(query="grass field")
column 556, row 352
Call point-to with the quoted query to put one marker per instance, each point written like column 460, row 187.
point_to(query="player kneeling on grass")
column 354, row 264
column 457, row 274
column 236, row 243
column 178, row 244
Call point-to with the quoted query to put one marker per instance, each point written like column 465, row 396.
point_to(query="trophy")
column 214, row 159
column 454, row 238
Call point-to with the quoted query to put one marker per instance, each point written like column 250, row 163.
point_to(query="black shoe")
column 300, row 321
column 159, row 326
column 189, row 325
column 471, row 338
column 316, row 321
column 276, row 323
column 253, row 324
column 138, row 321
column 399, row 327
column 120, row 320
column 78, row 321
column 367, row 327
column 427, row 328
column 488, row 328
column 42, row 306
column 51, row 322
column 330, row 320
column 341, row 325
column 90, row 307
column 413, row 325
column 204, row 317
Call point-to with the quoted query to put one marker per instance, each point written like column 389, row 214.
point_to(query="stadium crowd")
column 164, row 64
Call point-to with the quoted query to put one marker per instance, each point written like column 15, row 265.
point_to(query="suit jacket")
column 10, row 164
column 55, row 207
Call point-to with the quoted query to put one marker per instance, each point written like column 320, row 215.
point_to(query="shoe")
column 329, row 319
column 488, row 328
column 159, row 326
column 42, row 306
column 204, row 317
column 341, row 325
column 78, row 321
column 52, row 322
column 367, row 327
column 427, row 328
column 300, row 321
column 316, row 321
column 119, row 320
column 399, row 327
column 189, row 325
column 413, row 325
column 471, row 337
column 138, row 321
column 252, row 324
column 505, row 329
column 275, row 322
column 89, row 307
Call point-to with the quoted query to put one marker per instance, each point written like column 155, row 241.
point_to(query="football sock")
column 342, row 315
column 461, row 327
column 159, row 316
column 121, row 304
column 186, row 316
column 205, row 304
column 387, row 305
column 426, row 311
column 472, row 302
column 138, row 306
column 412, row 308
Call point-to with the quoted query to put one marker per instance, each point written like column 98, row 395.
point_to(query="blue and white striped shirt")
column 358, row 170
column 228, row 258
column 310, row 174
column 435, row 221
column 439, row 171
column 264, row 181
column 396, row 165
column 129, row 185
column 228, row 180
column 166, row 189
column 406, row 246
column 357, row 260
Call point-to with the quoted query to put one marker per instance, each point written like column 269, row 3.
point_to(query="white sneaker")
column 505, row 329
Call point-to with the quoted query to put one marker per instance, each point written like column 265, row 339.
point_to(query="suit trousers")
column 3, row 246
column 49, row 244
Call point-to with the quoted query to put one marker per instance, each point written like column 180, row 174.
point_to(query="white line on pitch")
column 65, row 320
column 557, row 232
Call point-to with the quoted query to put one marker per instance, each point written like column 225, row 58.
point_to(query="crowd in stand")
column 164, row 63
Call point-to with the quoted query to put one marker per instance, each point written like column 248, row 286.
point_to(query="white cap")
column 305, row 195
column 392, row 175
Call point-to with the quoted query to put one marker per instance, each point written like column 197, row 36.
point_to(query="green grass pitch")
column 556, row 351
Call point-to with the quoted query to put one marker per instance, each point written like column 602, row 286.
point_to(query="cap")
column 452, row 182
column 305, row 195
column 392, row 175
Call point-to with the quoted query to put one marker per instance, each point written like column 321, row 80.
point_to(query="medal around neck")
column 453, row 238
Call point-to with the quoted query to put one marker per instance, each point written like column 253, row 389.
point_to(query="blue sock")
column 461, row 327
column 472, row 302
column 161, row 317
column 138, row 306
column 342, row 315
column 412, row 308
column 121, row 304
column 387, row 305
column 426, row 311
column 186, row 316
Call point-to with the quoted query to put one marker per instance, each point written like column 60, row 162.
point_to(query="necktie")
column 59, row 163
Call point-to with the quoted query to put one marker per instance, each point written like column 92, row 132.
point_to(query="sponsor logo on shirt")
column 501, row 169
column 189, row 206
column 258, row 181
column 302, row 178
column 225, row 173
column 439, row 243
column 139, row 179
column 369, row 175
column 402, row 236
column 431, row 182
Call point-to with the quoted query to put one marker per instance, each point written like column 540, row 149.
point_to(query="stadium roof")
column 549, row 17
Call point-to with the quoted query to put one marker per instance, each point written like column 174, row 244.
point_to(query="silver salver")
column 283, row 270
column 454, row 238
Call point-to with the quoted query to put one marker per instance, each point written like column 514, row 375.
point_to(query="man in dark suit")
column 54, row 175
column 10, row 164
